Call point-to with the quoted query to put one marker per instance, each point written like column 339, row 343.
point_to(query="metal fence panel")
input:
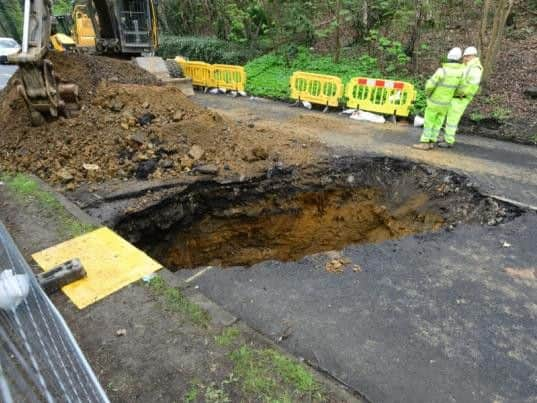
column 39, row 358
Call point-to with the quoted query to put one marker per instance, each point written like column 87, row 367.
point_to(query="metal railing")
column 39, row 358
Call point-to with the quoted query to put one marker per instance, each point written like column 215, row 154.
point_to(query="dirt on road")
column 131, row 126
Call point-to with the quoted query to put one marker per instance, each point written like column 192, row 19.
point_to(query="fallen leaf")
column 524, row 274
column 336, row 265
column 90, row 167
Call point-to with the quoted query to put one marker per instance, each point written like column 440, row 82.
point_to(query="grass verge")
column 227, row 337
column 175, row 301
column 27, row 189
column 271, row 376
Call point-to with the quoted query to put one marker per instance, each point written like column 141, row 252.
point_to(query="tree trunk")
column 481, row 39
column 161, row 16
column 337, row 51
column 365, row 16
column 414, row 38
column 490, row 44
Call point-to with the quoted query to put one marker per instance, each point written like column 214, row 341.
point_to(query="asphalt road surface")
column 6, row 72
column 443, row 317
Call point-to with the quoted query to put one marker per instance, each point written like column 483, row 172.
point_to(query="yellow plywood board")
column 111, row 263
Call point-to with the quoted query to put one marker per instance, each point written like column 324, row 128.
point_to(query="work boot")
column 443, row 144
column 423, row 146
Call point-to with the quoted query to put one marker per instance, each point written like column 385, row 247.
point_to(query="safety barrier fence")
column 316, row 88
column 382, row 96
column 200, row 72
column 203, row 74
column 368, row 94
column 229, row 77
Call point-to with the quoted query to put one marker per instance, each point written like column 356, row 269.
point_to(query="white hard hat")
column 454, row 54
column 470, row 51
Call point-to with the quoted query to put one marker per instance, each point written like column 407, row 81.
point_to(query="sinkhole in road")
column 291, row 213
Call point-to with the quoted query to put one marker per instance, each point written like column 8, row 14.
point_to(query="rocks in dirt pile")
column 260, row 153
column 531, row 92
column 337, row 265
column 209, row 169
column 178, row 116
column 166, row 164
column 145, row 168
column 146, row 119
column 138, row 137
column 116, row 106
column 196, row 152
column 256, row 154
column 187, row 162
column 65, row 176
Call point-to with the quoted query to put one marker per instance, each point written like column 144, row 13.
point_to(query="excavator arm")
column 38, row 85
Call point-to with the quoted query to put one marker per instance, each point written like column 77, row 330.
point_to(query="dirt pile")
column 87, row 71
column 126, row 130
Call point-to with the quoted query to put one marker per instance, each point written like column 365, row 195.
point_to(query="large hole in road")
column 290, row 213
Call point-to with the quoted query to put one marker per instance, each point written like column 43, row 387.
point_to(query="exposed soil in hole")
column 291, row 213
column 288, row 229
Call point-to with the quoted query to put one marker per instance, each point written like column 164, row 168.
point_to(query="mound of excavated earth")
column 131, row 126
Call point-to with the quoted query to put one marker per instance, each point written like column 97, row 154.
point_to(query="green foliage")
column 175, row 301
column 476, row 117
column 228, row 336
column 270, row 375
column 61, row 7
column 27, row 189
column 268, row 75
column 215, row 393
column 390, row 53
column 192, row 394
column 500, row 113
column 210, row 50
column 11, row 16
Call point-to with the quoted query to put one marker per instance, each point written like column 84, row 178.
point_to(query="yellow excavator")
column 81, row 28
column 122, row 27
column 83, row 32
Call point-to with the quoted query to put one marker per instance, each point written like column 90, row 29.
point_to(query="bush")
column 210, row 50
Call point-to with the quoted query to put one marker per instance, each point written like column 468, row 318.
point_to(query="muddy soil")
column 289, row 214
column 289, row 229
column 128, row 130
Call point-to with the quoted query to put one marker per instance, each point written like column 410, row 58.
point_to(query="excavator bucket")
column 44, row 94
